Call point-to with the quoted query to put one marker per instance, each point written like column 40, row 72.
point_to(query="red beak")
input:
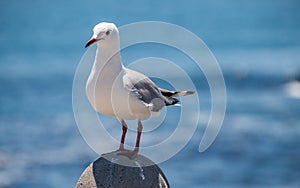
column 91, row 41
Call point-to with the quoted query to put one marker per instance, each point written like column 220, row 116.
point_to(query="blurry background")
column 256, row 43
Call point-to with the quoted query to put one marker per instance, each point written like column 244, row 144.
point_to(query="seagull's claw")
column 128, row 153
column 121, row 148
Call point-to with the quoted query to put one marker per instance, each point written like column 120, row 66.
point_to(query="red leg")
column 124, row 131
column 131, row 154
column 138, row 138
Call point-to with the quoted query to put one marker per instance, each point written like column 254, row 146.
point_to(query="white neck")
column 107, row 66
column 108, row 58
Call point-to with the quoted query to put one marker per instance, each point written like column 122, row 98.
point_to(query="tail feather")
column 182, row 93
column 170, row 100
column 168, row 93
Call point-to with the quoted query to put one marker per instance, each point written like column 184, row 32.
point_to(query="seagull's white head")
column 103, row 33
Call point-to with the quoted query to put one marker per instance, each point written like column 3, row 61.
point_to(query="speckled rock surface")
column 139, row 172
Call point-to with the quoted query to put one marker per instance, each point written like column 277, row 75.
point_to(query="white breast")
column 107, row 95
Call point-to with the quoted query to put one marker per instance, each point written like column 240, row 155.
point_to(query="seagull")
column 115, row 90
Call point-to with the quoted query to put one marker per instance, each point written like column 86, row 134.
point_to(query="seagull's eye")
column 107, row 32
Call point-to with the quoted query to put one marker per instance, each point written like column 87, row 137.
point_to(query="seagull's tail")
column 182, row 93
column 168, row 93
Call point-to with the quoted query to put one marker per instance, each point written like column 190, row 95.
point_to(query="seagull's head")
column 103, row 33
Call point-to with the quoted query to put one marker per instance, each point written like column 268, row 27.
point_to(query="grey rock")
column 113, row 170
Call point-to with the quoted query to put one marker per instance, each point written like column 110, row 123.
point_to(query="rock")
column 105, row 172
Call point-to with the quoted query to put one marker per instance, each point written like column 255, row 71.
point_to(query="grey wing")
column 146, row 90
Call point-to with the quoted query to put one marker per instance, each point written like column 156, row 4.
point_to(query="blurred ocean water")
column 256, row 43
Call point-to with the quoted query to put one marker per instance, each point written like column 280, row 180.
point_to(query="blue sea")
column 256, row 43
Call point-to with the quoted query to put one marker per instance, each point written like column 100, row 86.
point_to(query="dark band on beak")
column 91, row 41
